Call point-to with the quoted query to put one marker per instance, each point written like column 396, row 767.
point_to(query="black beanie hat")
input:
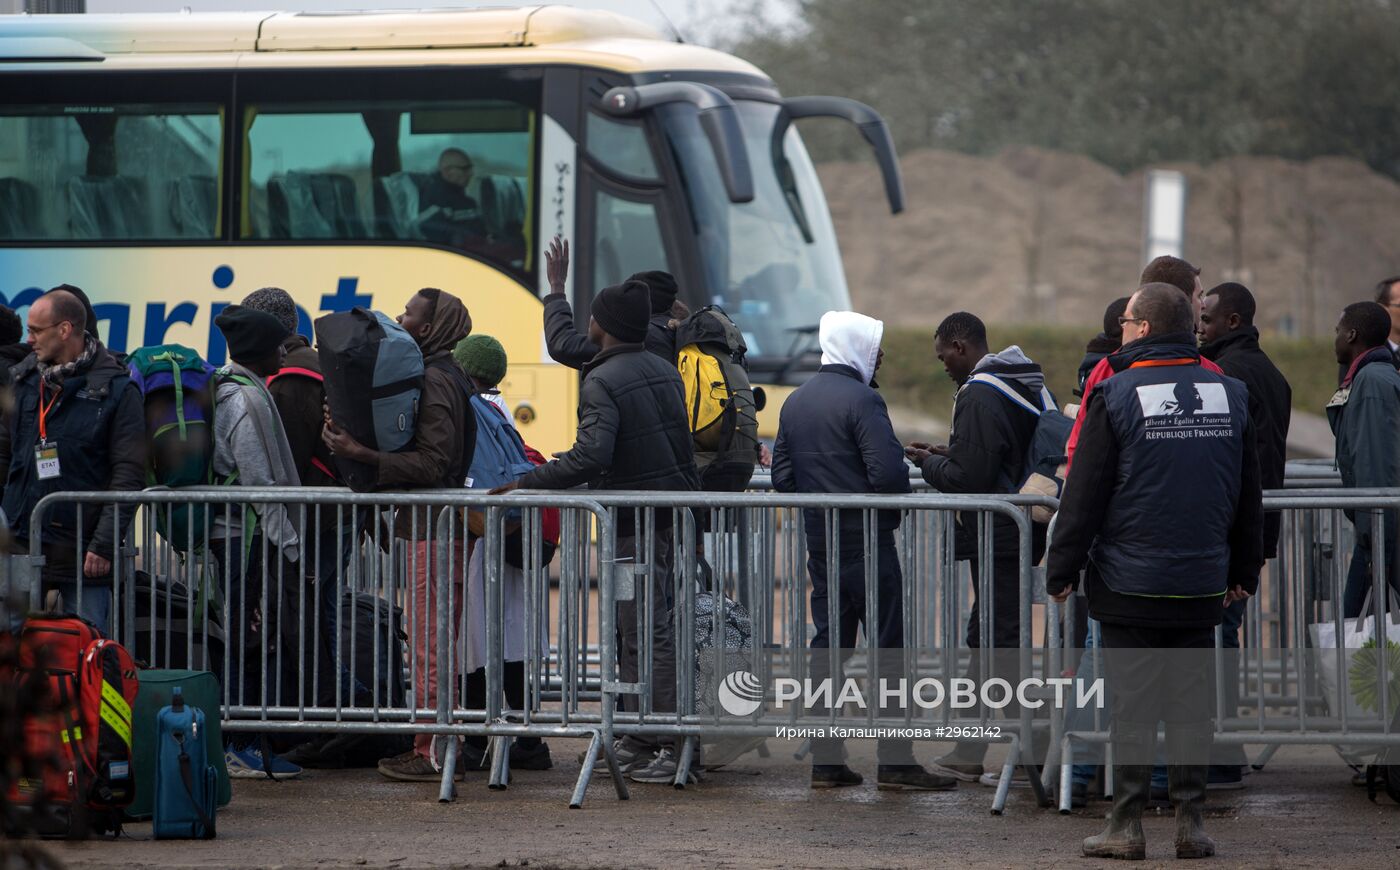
column 624, row 310
column 251, row 334
column 663, row 289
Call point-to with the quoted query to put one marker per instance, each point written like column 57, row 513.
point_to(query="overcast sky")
column 696, row 19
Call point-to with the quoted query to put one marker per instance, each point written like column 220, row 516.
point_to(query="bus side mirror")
column 718, row 118
column 866, row 119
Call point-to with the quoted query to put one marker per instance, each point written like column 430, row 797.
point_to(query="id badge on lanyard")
column 46, row 451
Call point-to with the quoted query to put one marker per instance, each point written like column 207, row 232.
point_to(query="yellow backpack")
column 719, row 399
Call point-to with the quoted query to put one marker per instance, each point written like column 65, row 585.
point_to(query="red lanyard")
column 44, row 409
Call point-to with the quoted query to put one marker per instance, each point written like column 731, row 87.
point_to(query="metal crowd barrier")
column 1280, row 673
column 742, row 556
column 165, row 605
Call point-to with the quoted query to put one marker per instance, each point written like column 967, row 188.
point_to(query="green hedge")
column 912, row 376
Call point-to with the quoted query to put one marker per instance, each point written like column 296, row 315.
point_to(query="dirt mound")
column 1032, row 235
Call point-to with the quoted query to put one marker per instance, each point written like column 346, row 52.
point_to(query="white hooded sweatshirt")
column 851, row 339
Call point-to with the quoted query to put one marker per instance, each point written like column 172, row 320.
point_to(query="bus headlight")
column 524, row 414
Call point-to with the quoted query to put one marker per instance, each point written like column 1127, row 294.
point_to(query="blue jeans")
column 96, row 605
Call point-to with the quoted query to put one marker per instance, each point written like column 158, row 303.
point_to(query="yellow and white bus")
column 171, row 164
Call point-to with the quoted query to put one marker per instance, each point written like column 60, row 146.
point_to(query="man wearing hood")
column 77, row 424
column 567, row 346
column 1365, row 415
column 835, row 436
column 444, row 439
column 1166, row 525
column 987, row 443
column 1229, row 338
column 1104, row 343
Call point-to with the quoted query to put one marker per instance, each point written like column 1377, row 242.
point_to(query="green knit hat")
column 482, row 357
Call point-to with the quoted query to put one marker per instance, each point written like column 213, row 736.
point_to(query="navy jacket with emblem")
column 99, row 425
column 1169, row 514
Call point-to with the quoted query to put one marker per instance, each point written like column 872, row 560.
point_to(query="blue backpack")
column 1047, row 452
column 500, row 456
column 186, row 783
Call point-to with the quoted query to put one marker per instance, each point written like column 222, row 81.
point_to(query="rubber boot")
column 1133, row 744
column 1187, row 787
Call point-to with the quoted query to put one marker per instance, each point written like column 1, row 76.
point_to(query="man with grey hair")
column 77, row 424
column 1166, row 522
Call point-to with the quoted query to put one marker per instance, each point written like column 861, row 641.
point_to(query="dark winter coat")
column 1159, row 518
column 632, row 432
column 835, row 436
column 99, row 425
column 1099, row 347
column 1271, row 408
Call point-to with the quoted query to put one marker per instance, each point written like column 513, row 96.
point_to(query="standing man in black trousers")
column 1168, row 520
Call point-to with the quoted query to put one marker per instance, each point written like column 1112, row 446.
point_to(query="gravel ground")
column 1301, row 811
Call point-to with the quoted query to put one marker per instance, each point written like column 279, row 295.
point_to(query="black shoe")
column 834, row 776
column 312, row 755
column 1078, row 795
column 470, row 757
column 534, row 757
column 1225, row 777
column 912, row 777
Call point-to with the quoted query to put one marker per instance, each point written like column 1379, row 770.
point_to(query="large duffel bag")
column 199, row 689
column 165, row 639
column 373, row 374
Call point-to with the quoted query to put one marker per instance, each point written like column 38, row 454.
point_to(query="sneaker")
column 247, row 763
column 1225, row 777
column 1019, row 778
column 912, row 777
column 834, row 776
column 629, row 756
column 957, row 768
column 412, row 767
column 530, row 757
column 661, row 770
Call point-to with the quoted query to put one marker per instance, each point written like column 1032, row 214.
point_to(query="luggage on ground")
column 201, row 690
column 185, row 782
column 166, row 634
column 373, row 373
column 84, row 734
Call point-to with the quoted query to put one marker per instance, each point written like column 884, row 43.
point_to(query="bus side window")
column 454, row 174
column 627, row 240
column 108, row 173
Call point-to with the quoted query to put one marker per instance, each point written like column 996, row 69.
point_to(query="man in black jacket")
column 834, row 436
column 632, row 434
column 994, row 419
column 567, row 346
column 77, row 424
column 1168, row 520
column 1230, row 339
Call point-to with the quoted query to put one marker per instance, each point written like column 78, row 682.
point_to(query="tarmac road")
column 1301, row 811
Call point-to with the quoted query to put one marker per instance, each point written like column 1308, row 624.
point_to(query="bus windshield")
column 772, row 263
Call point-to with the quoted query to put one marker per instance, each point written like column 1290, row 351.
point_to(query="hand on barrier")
column 1062, row 596
column 509, row 487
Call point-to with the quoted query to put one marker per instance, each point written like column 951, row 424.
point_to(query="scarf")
column 54, row 376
